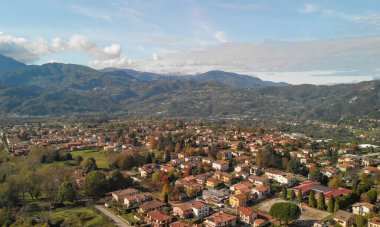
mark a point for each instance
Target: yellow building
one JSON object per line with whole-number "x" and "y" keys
{"x": 238, "y": 200}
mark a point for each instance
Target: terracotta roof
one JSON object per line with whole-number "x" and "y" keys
{"x": 197, "y": 204}
{"x": 220, "y": 217}
{"x": 151, "y": 205}
{"x": 244, "y": 210}
{"x": 179, "y": 224}
{"x": 259, "y": 221}
{"x": 306, "y": 186}
{"x": 375, "y": 220}
{"x": 262, "y": 188}
{"x": 158, "y": 216}
{"x": 364, "y": 204}
{"x": 183, "y": 206}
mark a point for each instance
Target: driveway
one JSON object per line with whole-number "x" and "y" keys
{"x": 118, "y": 221}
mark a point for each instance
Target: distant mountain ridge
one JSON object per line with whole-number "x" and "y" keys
{"x": 8, "y": 64}
{"x": 61, "y": 89}
{"x": 222, "y": 77}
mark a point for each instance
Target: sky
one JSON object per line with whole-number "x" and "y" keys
{"x": 317, "y": 42}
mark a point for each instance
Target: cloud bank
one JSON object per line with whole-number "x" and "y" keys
{"x": 29, "y": 51}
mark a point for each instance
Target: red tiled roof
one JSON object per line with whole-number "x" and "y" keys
{"x": 305, "y": 186}
{"x": 244, "y": 210}
{"x": 197, "y": 204}
{"x": 220, "y": 217}
{"x": 158, "y": 216}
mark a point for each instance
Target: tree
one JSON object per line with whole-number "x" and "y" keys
{"x": 321, "y": 201}
{"x": 336, "y": 181}
{"x": 8, "y": 194}
{"x": 370, "y": 196}
{"x": 95, "y": 184}
{"x": 285, "y": 211}
{"x": 312, "y": 202}
{"x": 315, "y": 175}
{"x": 360, "y": 221}
{"x": 67, "y": 192}
{"x": 336, "y": 205}
{"x": 148, "y": 159}
{"x": 188, "y": 172}
{"x": 165, "y": 189}
{"x": 166, "y": 197}
{"x": 299, "y": 196}
{"x": 78, "y": 160}
{"x": 178, "y": 147}
{"x": 330, "y": 205}
{"x": 240, "y": 146}
{"x": 89, "y": 165}
{"x": 292, "y": 195}
{"x": 284, "y": 192}
{"x": 117, "y": 181}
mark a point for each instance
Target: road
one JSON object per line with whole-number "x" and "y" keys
{"x": 118, "y": 221}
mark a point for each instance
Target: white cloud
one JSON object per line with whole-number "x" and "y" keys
{"x": 220, "y": 36}
{"x": 29, "y": 51}
{"x": 356, "y": 55}
{"x": 309, "y": 8}
{"x": 370, "y": 18}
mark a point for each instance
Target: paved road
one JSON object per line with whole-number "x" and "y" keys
{"x": 118, "y": 221}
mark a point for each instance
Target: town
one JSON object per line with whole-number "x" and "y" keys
{"x": 178, "y": 173}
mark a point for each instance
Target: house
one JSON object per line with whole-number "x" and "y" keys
{"x": 260, "y": 191}
{"x": 280, "y": 177}
{"x": 157, "y": 219}
{"x": 256, "y": 180}
{"x": 238, "y": 200}
{"x": 220, "y": 219}
{"x": 179, "y": 224}
{"x": 120, "y": 194}
{"x": 240, "y": 186}
{"x": 362, "y": 208}
{"x": 212, "y": 183}
{"x": 200, "y": 209}
{"x": 202, "y": 178}
{"x": 149, "y": 206}
{"x": 220, "y": 165}
{"x": 136, "y": 200}
{"x": 374, "y": 222}
{"x": 343, "y": 218}
{"x": 215, "y": 197}
{"x": 148, "y": 169}
{"x": 225, "y": 177}
{"x": 246, "y": 215}
{"x": 371, "y": 170}
{"x": 182, "y": 210}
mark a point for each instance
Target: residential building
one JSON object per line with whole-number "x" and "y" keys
{"x": 374, "y": 222}
{"x": 200, "y": 209}
{"x": 238, "y": 200}
{"x": 362, "y": 208}
{"x": 220, "y": 219}
{"x": 344, "y": 218}
{"x": 157, "y": 219}
{"x": 149, "y": 206}
{"x": 246, "y": 215}
{"x": 182, "y": 210}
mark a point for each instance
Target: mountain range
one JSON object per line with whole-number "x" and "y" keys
{"x": 61, "y": 89}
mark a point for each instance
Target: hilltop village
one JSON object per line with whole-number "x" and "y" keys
{"x": 176, "y": 173}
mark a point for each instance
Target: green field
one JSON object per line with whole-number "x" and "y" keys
{"x": 101, "y": 159}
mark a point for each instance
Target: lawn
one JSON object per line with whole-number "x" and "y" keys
{"x": 101, "y": 159}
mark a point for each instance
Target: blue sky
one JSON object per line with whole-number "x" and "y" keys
{"x": 171, "y": 36}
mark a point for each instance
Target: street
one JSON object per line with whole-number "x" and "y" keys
{"x": 118, "y": 221}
